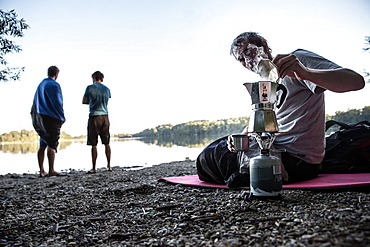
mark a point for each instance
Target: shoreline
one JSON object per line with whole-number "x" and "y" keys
{"x": 131, "y": 208}
{"x": 71, "y": 171}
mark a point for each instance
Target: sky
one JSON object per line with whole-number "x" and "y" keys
{"x": 168, "y": 61}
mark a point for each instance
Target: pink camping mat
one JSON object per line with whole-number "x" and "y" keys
{"x": 323, "y": 181}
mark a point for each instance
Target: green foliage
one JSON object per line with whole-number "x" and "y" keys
{"x": 29, "y": 136}
{"x": 191, "y": 131}
{"x": 65, "y": 136}
{"x": 367, "y": 43}
{"x": 352, "y": 116}
{"x": 23, "y": 136}
{"x": 367, "y": 48}
{"x": 10, "y": 26}
{"x": 197, "y": 128}
{"x": 202, "y": 128}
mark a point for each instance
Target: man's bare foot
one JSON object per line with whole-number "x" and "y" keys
{"x": 92, "y": 171}
{"x": 51, "y": 174}
{"x": 43, "y": 174}
{"x": 109, "y": 168}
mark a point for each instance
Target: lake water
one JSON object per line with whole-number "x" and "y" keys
{"x": 22, "y": 158}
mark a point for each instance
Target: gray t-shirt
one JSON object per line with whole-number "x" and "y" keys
{"x": 301, "y": 117}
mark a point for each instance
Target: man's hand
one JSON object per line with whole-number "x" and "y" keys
{"x": 85, "y": 100}
{"x": 337, "y": 80}
{"x": 289, "y": 65}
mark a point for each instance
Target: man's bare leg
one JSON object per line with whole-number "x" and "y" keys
{"x": 108, "y": 154}
{"x": 40, "y": 159}
{"x": 51, "y": 158}
{"x": 94, "y": 156}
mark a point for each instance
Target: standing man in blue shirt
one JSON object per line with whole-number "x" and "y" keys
{"x": 47, "y": 119}
{"x": 97, "y": 96}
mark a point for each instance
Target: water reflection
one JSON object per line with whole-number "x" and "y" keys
{"x": 24, "y": 148}
{"x": 194, "y": 141}
{"x": 125, "y": 153}
{"x": 186, "y": 141}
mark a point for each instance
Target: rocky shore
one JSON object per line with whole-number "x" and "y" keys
{"x": 130, "y": 208}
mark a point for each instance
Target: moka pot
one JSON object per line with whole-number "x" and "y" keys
{"x": 263, "y": 95}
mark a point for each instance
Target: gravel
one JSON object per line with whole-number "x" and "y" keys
{"x": 131, "y": 208}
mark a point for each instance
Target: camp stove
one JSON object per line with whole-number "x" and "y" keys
{"x": 265, "y": 169}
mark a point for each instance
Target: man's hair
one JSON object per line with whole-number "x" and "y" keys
{"x": 98, "y": 76}
{"x": 53, "y": 71}
{"x": 241, "y": 43}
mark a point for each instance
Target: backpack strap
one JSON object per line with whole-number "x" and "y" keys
{"x": 330, "y": 123}
{"x": 363, "y": 123}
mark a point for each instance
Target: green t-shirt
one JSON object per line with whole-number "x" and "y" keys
{"x": 98, "y": 95}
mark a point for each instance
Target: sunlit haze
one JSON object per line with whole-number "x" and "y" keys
{"x": 168, "y": 61}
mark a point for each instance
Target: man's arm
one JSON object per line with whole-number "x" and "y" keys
{"x": 337, "y": 80}
{"x": 85, "y": 100}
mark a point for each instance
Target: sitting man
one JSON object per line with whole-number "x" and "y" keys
{"x": 301, "y": 115}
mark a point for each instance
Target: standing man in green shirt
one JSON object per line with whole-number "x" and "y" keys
{"x": 97, "y": 96}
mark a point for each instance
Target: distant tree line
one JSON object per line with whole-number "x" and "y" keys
{"x": 16, "y": 136}
{"x": 351, "y": 116}
{"x": 200, "y": 128}
{"x": 197, "y": 128}
{"x": 234, "y": 125}
{"x": 29, "y": 136}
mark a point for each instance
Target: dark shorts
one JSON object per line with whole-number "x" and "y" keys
{"x": 218, "y": 165}
{"x": 98, "y": 126}
{"x": 49, "y": 131}
{"x": 48, "y": 128}
{"x": 298, "y": 170}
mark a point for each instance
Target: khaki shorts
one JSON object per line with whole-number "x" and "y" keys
{"x": 98, "y": 126}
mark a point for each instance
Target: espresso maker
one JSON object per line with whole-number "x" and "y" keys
{"x": 265, "y": 169}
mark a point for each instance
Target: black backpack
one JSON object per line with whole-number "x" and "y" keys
{"x": 348, "y": 149}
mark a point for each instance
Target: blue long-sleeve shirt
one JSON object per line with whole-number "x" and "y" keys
{"x": 48, "y": 99}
